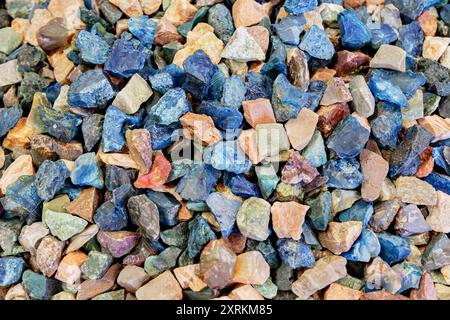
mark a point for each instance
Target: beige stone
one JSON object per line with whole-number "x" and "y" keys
{"x": 439, "y": 214}
{"x": 180, "y": 11}
{"x": 434, "y": 47}
{"x": 251, "y": 268}
{"x": 245, "y": 292}
{"x": 200, "y": 128}
{"x": 416, "y": 191}
{"x": 188, "y": 277}
{"x": 374, "y": 169}
{"x": 135, "y": 93}
{"x": 131, "y": 8}
{"x": 301, "y": 129}
{"x": 150, "y": 6}
{"x": 389, "y": 57}
{"x": 40, "y": 18}
{"x": 247, "y": 13}
{"x": 288, "y": 218}
{"x": 340, "y": 236}
{"x": 69, "y": 270}
{"x": 9, "y": 74}
{"x": 336, "y": 92}
{"x": 69, "y": 10}
{"x": 438, "y": 126}
{"x": 123, "y": 160}
{"x": 258, "y": 111}
{"x": 22, "y": 166}
{"x": 132, "y": 278}
{"x": 62, "y": 66}
{"x": 163, "y": 287}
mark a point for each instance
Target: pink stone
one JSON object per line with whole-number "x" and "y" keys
{"x": 248, "y": 143}
{"x": 301, "y": 129}
{"x": 188, "y": 277}
{"x": 91, "y": 288}
{"x": 158, "y": 174}
{"x": 245, "y": 292}
{"x": 336, "y": 92}
{"x": 288, "y": 218}
{"x": 132, "y": 278}
{"x": 426, "y": 290}
{"x": 48, "y": 255}
{"x": 201, "y": 128}
{"x": 374, "y": 169}
{"x": 251, "y": 268}
{"x": 140, "y": 147}
{"x": 298, "y": 170}
{"x": 339, "y": 292}
{"x": 247, "y": 13}
{"x": 163, "y": 287}
{"x": 258, "y": 111}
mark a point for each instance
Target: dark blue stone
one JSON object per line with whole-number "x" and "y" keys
{"x": 382, "y": 34}
{"x": 167, "y": 205}
{"x": 243, "y": 188}
{"x": 91, "y": 89}
{"x": 60, "y": 124}
{"x": 276, "y": 64}
{"x": 169, "y": 77}
{"x": 198, "y": 183}
{"x": 224, "y": 210}
{"x": 343, "y": 173}
{"x": 258, "y": 86}
{"x": 22, "y": 197}
{"x": 438, "y": 76}
{"x": 8, "y": 119}
{"x": 309, "y": 237}
{"x": 348, "y": 138}
{"x": 126, "y": 59}
{"x": 11, "y": 269}
{"x": 297, "y": 7}
{"x": 365, "y": 247}
{"x": 295, "y": 254}
{"x": 409, "y": 82}
{"x": 317, "y": 44}
{"x": 199, "y": 72}
{"x": 289, "y": 29}
{"x": 440, "y": 160}
{"x": 233, "y": 92}
{"x": 93, "y": 48}
{"x": 200, "y": 233}
{"x": 387, "y": 125}
{"x": 172, "y": 105}
{"x": 50, "y": 178}
{"x": 385, "y": 90}
{"x": 393, "y": 248}
{"x": 224, "y": 118}
{"x": 116, "y": 176}
{"x": 143, "y": 28}
{"x": 360, "y": 211}
{"x": 354, "y": 33}
{"x": 87, "y": 171}
{"x": 315, "y": 91}
{"x": 52, "y": 91}
{"x": 445, "y": 14}
{"x": 287, "y": 99}
{"x": 439, "y": 181}
{"x": 215, "y": 89}
{"x": 411, "y": 38}
{"x": 162, "y": 136}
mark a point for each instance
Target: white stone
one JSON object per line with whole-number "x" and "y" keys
{"x": 434, "y": 47}
{"x": 389, "y": 57}
{"x": 363, "y": 100}
{"x": 135, "y": 93}
{"x": 243, "y": 47}
{"x": 9, "y": 74}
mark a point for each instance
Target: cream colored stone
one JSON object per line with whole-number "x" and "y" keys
{"x": 434, "y": 47}
{"x": 389, "y": 57}
{"x": 301, "y": 129}
{"x": 9, "y": 74}
{"x": 163, "y": 287}
{"x": 251, "y": 268}
{"x": 439, "y": 214}
{"x": 22, "y": 166}
{"x": 135, "y": 93}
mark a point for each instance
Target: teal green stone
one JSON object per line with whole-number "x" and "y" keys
{"x": 315, "y": 151}
{"x": 267, "y": 179}
{"x": 166, "y": 260}
{"x": 9, "y": 40}
{"x": 96, "y": 265}
{"x": 64, "y": 225}
{"x": 268, "y": 289}
{"x": 177, "y": 236}
{"x": 38, "y": 286}
{"x": 351, "y": 282}
{"x": 20, "y": 8}
{"x": 319, "y": 213}
{"x": 112, "y": 295}
{"x": 31, "y": 83}
{"x": 185, "y": 259}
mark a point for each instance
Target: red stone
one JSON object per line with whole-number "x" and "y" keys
{"x": 158, "y": 174}
{"x": 329, "y": 117}
{"x": 426, "y": 163}
{"x": 350, "y": 62}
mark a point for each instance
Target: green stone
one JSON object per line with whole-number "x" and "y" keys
{"x": 177, "y": 236}
{"x": 96, "y": 265}
{"x": 31, "y": 83}
{"x": 268, "y": 289}
{"x": 253, "y": 218}
{"x": 315, "y": 151}
{"x": 185, "y": 259}
{"x": 287, "y": 192}
{"x": 351, "y": 282}
{"x": 63, "y": 295}
{"x": 284, "y": 277}
{"x": 166, "y": 260}
{"x": 169, "y": 51}
{"x": 112, "y": 295}
{"x": 430, "y": 103}
{"x": 197, "y": 206}
{"x": 64, "y": 225}
{"x": 19, "y": 8}
{"x": 204, "y": 294}
{"x": 9, "y": 40}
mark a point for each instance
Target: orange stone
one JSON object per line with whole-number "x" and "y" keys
{"x": 69, "y": 270}
{"x": 184, "y": 214}
{"x": 426, "y": 290}
{"x": 22, "y": 166}
{"x": 339, "y": 292}
{"x": 248, "y": 144}
{"x": 247, "y": 13}
{"x": 426, "y": 163}
{"x": 131, "y": 8}
{"x": 140, "y": 147}
{"x": 251, "y": 268}
{"x": 21, "y": 26}
{"x": 438, "y": 126}
{"x": 353, "y": 3}
{"x": 200, "y": 127}
{"x": 121, "y": 26}
{"x": 428, "y": 23}
{"x": 85, "y": 204}
{"x": 158, "y": 174}
{"x": 188, "y": 277}
{"x": 180, "y": 11}
{"x": 62, "y": 66}
{"x": 324, "y": 75}
{"x": 245, "y": 292}
{"x": 166, "y": 32}
{"x": 382, "y": 295}
{"x": 374, "y": 169}
{"x": 163, "y": 287}
{"x": 91, "y": 288}
{"x": 258, "y": 111}
{"x": 301, "y": 129}
{"x": 288, "y": 218}
{"x": 18, "y": 137}
{"x": 340, "y": 236}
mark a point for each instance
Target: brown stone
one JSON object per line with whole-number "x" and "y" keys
{"x": 298, "y": 170}
{"x": 324, "y": 75}
{"x": 53, "y": 35}
{"x": 163, "y": 287}
{"x": 166, "y": 32}
{"x": 336, "y": 92}
{"x": 251, "y": 268}
{"x": 69, "y": 270}
{"x": 245, "y": 292}
{"x": 140, "y": 147}
{"x": 340, "y": 236}
{"x": 329, "y": 117}
{"x": 131, "y": 8}
{"x": 350, "y": 62}
{"x": 353, "y": 3}
{"x": 85, "y": 204}
{"x": 288, "y": 218}
{"x": 301, "y": 129}
{"x": 22, "y": 166}
{"x": 132, "y": 278}
{"x": 18, "y": 137}
{"x": 438, "y": 126}
{"x": 91, "y": 288}
{"x": 40, "y": 18}
{"x": 48, "y": 255}
{"x": 426, "y": 290}
{"x": 258, "y": 111}
{"x": 382, "y": 295}
{"x": 298, "y": 71}
{"x": 44, "y": 144}
{"x": 200, "y": 128}
{"x": 248, "y": 144}
{"x": 150, "y": 6}
{"x": 188, "y": 277}
{"x": 416, "y": 191}
{"x": 428, "y": 23}
{"x": 374, "y": 169}
{"x": 121, "y": 27}
{"x": 339, "y": 292}
{"x": 247, "y": 13}
{"x": 179, "y": 12}
{"x": 426, "y": 163}
{"x": 439, "y": 214}
{"x": 236, "y": 242}
{"x": 326, "y": 271}
{"x": 10, "y": 98}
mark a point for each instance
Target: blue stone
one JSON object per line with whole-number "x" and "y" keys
{"x": 365, "y": 247}
{"x": 289, "y": 29}
{"x": 276, "y": 64}
{"x": 162, "y": 136}
{"x": 50, "y": 178}
{"x": 317, "y": 44}
{"x": 267, "y": 179}
{"x": 167, "y": 205}
{"x": 169, "y": 77}
{"x": 225, "y": 211}
{"x": 198, "y": 183}
{"x": 38, "y": 286}
{"x": 87, "y": 171}
{"x": 227, "y": 155}
{"x": 440, "y": 160}
{"x": 295, "y": 254}
{"x": 126, "y": 59}
{"x": 320, "y": 210}
{"x": 143, "y": 28}
{"x": 215, "y": 90}
{"x": 445, "y": 14}
{"x": 411, "y": 275}
{"x": 200, "y": 233}
{"x": 360, "y": 211}
{"x": 243, "y": 188}
{"x": 439, "y": 181}
{"x": 409, "y": 82}
{"x": 224, "y": 118}
{"x": 22, "y": 197}
{"x": 411, "y": 38}
{"x": 11, "y": 269}
{"x": 409, "y": 8}
{"x": 348, "y": 138}
{"x": 8, "y": 119}
{"x": 199, "y": 71}
{"x": 70, "y": 190}
{"x": 258, "y": 86}
{"x": 60, "y": 124}
{"x": 233, "y": 92}
{"x": 343, "y": 173}
{"x": 93, "y": 48}
{"x": 382, "y": 34}
{"x": 309, "y": 237}
{"x": 52, "y": 92}
{"x": 393, "y": 248}
{"x": 316, "y": 89}
{"x": 113, "y": 138}
{"x": 219, "y": 17}
{"x": 91, "y": 89}
{"x": 287, "y": 99}
{"x": 267, "y": 250}
{"x": 172, "y": 105}
{"x": 297, "y": 7}
{"x": 385, "y": 90}
{"x": 405, "y": 159}
{"x": 354, "y": 33}
{"x": 438, "y": 76}
{"x": 387, "y": 125}
{"x": 116, "y": 176}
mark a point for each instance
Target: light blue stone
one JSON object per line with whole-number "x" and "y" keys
{"x": 227, "y": 155}
{"x": 385, "y": 90}
{"x": 289, "y": 29}
{"x": 143, "y": 28}
{"x": 225, "y": 211}
{"x": 365, "y": 247}
{"x": 172, "y": 105}
{"x": 360, "y": 211}
{"x": 233, "y": 92}
{"x": 87, "y": 171}
{"x": 411, "y": 275}
{"x": 287, "y": 99}
{"x": 93, "y": 48}
{"x": 11, "y": 269}
{"x": 343, "y": 173}
{"x": 297, "y": 7}
{"x": 354, "y": 33}
{"x": 317, "y": 44}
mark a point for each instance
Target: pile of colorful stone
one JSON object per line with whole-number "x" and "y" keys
{"x": 224, "y": 149}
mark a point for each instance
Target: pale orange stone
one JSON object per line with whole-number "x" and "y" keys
{"x": 336, "y": 92}
{"x": 288, "y": 219}
{"x": 353, "y": 3}
{"x": 201, "y": 128}
{"x": 91, "y": 288}
{"x": 261, "y": 36}
{"x": 301, "y": 129}
{"x": 188, "y": 277}
{"x": 428, "y": 23}
{"x": 247, "y": 13}
{"x": 131, "y": 8}
{"x": 22, "y": 166}
{"x": 258, "y": 111}
{"x": 426, "y": 163}
{"x": 340, "y": 236}
{"x": 166, "y": 32}
{"x": 255, "y": 66}
{"x": 438, "y": 126}
{"x": 374, "y": 169}
{"x": 150, "y": 6}
{"x": 18, "y": 137}
{"x": 121, "y": 26}
{"x": 10, "y": 97}
{"x": 324, "y": 75}
{"x": 140, "y": 147}
{"x": 163, "y": 287}
{"x": 123, "y": 160}
{"x": 69, "y": 10}
{"x": 313, "y": 18}
{"x": 245, "y": 292}
{"x": 247, "y": 142}
{"x": 21, "y": 26}
{"x": 69, "y": 269}
{"x": 184, "y": 214}
{"x": 62, "y": 66}
{"x": 85, "y": 204}
{"x": 251, "y": 268}
{"x": 40, "y": 18}
{"x": 439, "y": 214}
{"x": 180, "y": 11}
{"x": 339, "y": 292}
{"x": 2, "y": 157}
{"x": 382, "y": 295}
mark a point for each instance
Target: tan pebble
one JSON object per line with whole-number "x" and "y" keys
{"x": 258, "y": 111}
{"x": 339, "y": 292}
{"x": 416, "y": 191}
{"x": 434, "y": 47}
{"x": 340, "y": 236}
{"x": 180, "y": 11}
{"x": 439, "y": 214}
{"x": 188, "y": 277}
{"x": 200, "y": 128}
{"x": 85, "y": 204}
{"x": 251, "y": 268}
{"x": 150, "y": 6}
{"x": 301, "y": 129}
{"x": 247, "y": 13}
{"x": 245, "y": 292}
{"x": 163, "y": 287}
{"x": 140, "y": 147}
{"x": 131, "y": 8}
{"x": 374, "y": 169}
{"x": 132, "y": 278}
